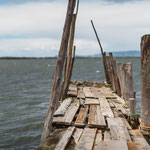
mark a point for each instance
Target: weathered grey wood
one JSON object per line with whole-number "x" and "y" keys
{"x": 145, "y": 80}
{"x": 139, "y": 140}
{"x": 81, "y": 94}
{"x": 69, "y": 115}
{"x": 118, "y": 121}
{"x": 126, "y": 79}
{"x": 65, "y": 139}
{"x": 119, "y": 133}
{"x": 72, "y": 87}
{"x": 97, "y": 139}
{"x": 132, "y": 105}
{"x": 87, "y": 92}
{"x": 62, "y": 108}
{"x": 87, "y": 139}
{"x": 80, "y": 121}
{"x": 57, "y": 76}
{"x": 95, "y": 118}
{"x": 107, "y": 136}
{"x": 90, "y": 101}
{"x": 77, "y": 134}
{"x": 69, "y": 60}
{"x": 119, "y": 99}
{"x": 112, "y": 145}
{"x": 72, "y": 93}
{"x": 105, "y": 108}
{"x": 116, "y": 79}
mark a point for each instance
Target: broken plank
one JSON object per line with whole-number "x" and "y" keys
{"x": 119, "y": 133}
{"x": 105, "y": 108}
{"x": 139, "y": 140}
{"x": 72, "y": 93}
{"x": 87, "y": 92}
{"x": 112, "y": 145}
{"x": 65, "y": 139}
{"x": 90, "y": 101}
{"x": 69, "y": 115}
{"x": 97, "y": 139}
{"x": 80, "y": 121}
{"x": 118, "y": 121}
{"x": 77, "y": 134}
{"x": 95, "y": 118}
{"x": 62, "y": 108}
{"x": 87, "y": 139}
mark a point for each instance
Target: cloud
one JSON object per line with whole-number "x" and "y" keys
{"x": 35, "y": 29}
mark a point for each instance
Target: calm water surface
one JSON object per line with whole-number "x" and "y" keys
{"x": 24, "y": 95}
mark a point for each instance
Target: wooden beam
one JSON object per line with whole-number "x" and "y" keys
{"x": 57, "y": 76}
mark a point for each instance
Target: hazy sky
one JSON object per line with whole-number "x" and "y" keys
{"x": 34, "y": 27}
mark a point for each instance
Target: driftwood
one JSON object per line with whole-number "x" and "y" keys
{"x": 57, "y": 76}
{"x": 145, "y": 80}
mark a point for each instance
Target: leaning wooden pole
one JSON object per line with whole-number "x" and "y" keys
{"x": 145, "y": 82}
{"x": 102, "y": 53}
{"x": 57, "y": 76}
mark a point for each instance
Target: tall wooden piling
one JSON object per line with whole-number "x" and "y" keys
{"x": 145, "y": 82}
{"x": 57, "y": 76}
{"x": 116, "y": 79}
{"x": 126, "y": 80}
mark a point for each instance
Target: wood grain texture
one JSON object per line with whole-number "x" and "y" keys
{"x": 87, "y": 139}
{"x": 91, "y": 101}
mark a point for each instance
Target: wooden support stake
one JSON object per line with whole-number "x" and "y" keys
{"x": 132, "y": 105}
{"x": 126, "y": 79}
{"x": 116, "y": 79}
{"x": 145, "y": 80}
{"x": 57, "y": 76}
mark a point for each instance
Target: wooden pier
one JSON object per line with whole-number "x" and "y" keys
{"x": 93, "y": 118}
{"x": 96, "y": 116}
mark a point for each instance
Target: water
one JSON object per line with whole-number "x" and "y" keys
{"x": 24, "y": 95}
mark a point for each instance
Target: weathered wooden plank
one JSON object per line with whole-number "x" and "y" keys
{"x": 95, "y": 118}
{"x": 72, "y": 93}
{"x": 119, "y": 133}
{"x": 119, "y": 99}
{"x": 69, "y": 115}
{"x": 87, "y": 139}
{"x": 81, "y": 94}
{"x": 90, "y": 101}
{"x": 72, "y": 87}
{"x": 65, "y": 139}
{"x": 87, "y": 92}
{"x": 118, "y": 121}
{"x": 77, "y": 134}
{"x": 112, "y": 145}
{"x": 105, "y": 108}
{"x": 80, "y": 121}
{"x": 139, "y": 140}
{"x": 97, "y": 139}
{"x": 107, "y": 136}
{"x": 132, "y": 146}
{"x": 62, "y": 108}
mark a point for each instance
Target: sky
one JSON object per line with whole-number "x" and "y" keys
{"x": 33, "y": 28}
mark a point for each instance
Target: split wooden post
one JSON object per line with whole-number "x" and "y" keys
{"x": 116, "y": 79}
{"x": 57, "y": 76}
{"x": 132, "y": 102}
{"x": 126, "y": 79}
{"x": 145, "y": 82}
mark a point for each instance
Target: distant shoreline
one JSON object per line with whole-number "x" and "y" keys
{"x": 82, "y": 57}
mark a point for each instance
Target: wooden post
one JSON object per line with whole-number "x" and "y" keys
{"x": 57, "y": 76}
{"x": 145, "y": 81}
{"x": 102, "y": 53}
{"x": 126, "y": 79}
{"x": 116, "y": 79}
{"x": 132, "y": 105}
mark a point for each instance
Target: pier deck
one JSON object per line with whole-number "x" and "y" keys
{"x": 91, "y": 118}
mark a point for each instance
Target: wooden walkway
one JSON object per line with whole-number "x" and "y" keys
{"x": 93, "y": 118}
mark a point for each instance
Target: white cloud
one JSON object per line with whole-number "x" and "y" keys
{"x": 119, "y": 25}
